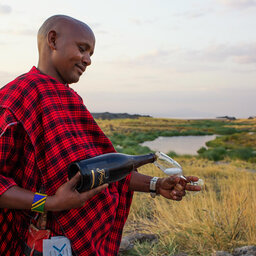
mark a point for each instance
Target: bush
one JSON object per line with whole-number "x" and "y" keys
{"x": 226, "y": 130}
{"x": 242, "y": 153}
{"x": 172, "y": 154}
{"x": 215, "y": 154}
{"x": 136, "y": 150}
{"x": 218, "y": 142}
{"x": 219, "y": 153}
{"x": 201, "y": 150}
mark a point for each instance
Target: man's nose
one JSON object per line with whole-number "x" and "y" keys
{"x": 86, "y": 59}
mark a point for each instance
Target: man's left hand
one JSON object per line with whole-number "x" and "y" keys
{"x": 174, "y": 187}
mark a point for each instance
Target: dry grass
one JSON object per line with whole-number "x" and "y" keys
{"x": 221, "y": 217}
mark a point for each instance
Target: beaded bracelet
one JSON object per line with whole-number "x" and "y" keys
{"x": 38, "y": 202}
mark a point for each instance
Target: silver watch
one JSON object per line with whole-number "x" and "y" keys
{"x": 152, "y": 186}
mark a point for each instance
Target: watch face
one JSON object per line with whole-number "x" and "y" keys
{"x": 153, "y": 183}
{"x": 152, "y": 187}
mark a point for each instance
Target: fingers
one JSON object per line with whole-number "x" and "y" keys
{"x": 91, "y": 193}
{"x": 174, "y": 187}
{"x": 171, "y": 181}
{"x": 192, "y": 178}
{"x": 74, "y": 180}
{"x": 173, "y": 194}
{"x": 190, "y": 187}
{"x": 179, "y": 187}
{"x": 177, "y": 195}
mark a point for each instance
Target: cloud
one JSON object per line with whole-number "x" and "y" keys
{"x": 178, "y": 60}
{"x": 5, "y": 9}
{"x": 244, "y": 53}
{"x": 140, "y": 22}
{"x": 153, "y": 55}
{"x": 238, "y": 3}
{"x": 194, "y": 14}
{"x": 160, "y": 62}
{"x": 97, "y": 27}
{"x": 158, "y": 57}
{"x": 136, "y": 21}
{"x": 24, "y": 32}
{"x": 236, "y": 58}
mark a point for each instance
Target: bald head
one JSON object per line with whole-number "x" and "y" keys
{"x": 65, "y": 47}
{"x": 58, "y": 23}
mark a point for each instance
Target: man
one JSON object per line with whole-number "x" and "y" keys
{"x": 44, "y": 126}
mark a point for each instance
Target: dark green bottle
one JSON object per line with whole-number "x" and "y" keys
{"x": 106, "y": 168}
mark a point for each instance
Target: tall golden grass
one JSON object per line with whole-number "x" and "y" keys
{"x": 220, "y": 217}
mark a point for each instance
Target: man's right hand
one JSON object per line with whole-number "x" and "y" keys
{"x": 67, "y": 197}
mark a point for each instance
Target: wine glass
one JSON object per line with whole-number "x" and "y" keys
{"x": 171, "y": 167}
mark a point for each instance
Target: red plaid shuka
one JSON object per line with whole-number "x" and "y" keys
{"x": 44, "y": 127}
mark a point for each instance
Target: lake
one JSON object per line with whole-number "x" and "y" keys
{"x": 179, "y": 144}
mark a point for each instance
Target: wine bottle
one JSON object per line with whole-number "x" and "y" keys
{"x": 106, "y": 168}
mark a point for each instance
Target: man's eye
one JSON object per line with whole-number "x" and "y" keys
{"x": 81, "y": 49}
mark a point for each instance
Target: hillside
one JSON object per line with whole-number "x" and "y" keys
{"x": 110, "y": 116}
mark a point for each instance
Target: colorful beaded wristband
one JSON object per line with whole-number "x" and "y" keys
{"x": 38, "y": 202}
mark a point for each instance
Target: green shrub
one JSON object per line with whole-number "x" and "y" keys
{"x": 172, "y": 154}
{"x": 201, "y": 150}
{"x": 214, "y": 154}
{"x": 242, "y": 153}
{"x": 136, "y": 150}
{"x": 226, "y": 130}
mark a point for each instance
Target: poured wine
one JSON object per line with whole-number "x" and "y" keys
{"x": 106, "y": 168}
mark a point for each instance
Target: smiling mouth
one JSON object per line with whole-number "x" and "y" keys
{"x": 81, "y": 69}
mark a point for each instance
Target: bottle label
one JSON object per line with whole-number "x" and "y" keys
{"x": 98, "y": 177}
{"x": 101, "y": 176}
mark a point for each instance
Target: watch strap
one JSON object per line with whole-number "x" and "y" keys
{"x": 152, "y": 186}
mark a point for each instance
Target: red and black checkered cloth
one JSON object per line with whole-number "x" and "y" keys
{"x": 44, "y": 127}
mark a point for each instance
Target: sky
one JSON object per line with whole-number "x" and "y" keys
{"x": 164, "y": 58}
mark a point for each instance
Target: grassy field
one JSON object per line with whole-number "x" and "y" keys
{"x": 222, "y": 216}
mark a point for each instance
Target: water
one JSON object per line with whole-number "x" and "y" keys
{"x": 179, "y": 144}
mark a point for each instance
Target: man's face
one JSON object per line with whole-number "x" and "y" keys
{"x": 74, "y": 48}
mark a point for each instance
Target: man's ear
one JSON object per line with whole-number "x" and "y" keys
{"x": 51, "y": 39}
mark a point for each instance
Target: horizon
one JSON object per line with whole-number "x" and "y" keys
{"x": 170, "y": 59}
{"x": 177, "y": 117}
